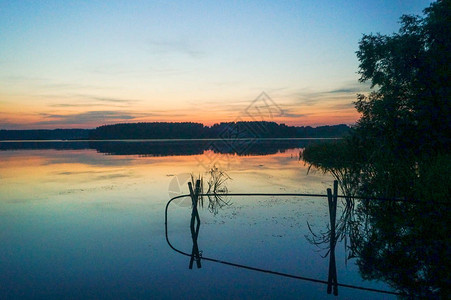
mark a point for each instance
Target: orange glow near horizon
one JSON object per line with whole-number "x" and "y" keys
{"x": 32, "y": 121}
{"x": 13, "y": 115}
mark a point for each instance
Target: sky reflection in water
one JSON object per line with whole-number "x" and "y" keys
{"x": 82, "y": 224}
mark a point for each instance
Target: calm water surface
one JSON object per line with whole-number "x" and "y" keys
{"x": 85, "y": 222}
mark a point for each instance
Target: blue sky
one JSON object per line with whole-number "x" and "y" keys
{"x": 88, "y": 63}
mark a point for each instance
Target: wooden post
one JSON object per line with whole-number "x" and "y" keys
{"x": 332, "y": 278}
{"x": 195, "y": 224}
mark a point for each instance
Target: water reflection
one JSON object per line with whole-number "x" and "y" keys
{"x": 80, "y": 224}
{"x": 217, "y": 189}
{"x": 195, "y": 224}
{"x": 167, "y": 147}
{"x": 402, "y": 241}
{"x": 332, "y": 238}
{"x": 403, "y": 244}
{"x": 345, "y": 229}
{"x": 406, "y": 245}
{"x": 332, "y": 203}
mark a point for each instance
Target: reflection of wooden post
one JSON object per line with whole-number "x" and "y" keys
{"x": 332, "y": 201}
{"x": 195, "y": 221}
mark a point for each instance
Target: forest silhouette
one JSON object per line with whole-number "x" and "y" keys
{"x": 180, "y": 130}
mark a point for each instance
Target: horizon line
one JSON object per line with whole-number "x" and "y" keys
{"x": 186, "y": 122}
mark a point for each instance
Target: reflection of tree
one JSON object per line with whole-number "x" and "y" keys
{"x": 337, "y": 160}
{"x": 186, "y": 147}
{"x": 346, "y": 228}
{"x": 407, "y": 246}
{"x": 403, "y": 243}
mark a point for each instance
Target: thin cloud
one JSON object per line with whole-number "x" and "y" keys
{"x": 107, "y": 99}
{"x": 85, "y": 118}
{"x": 306, "y": 97}
{"x": 174, "y": 47}
{"x": 72, "y": 105}
{"x": 84, "y": 100}
{"x": 142, "y": 71}
{"x": 343, "y": 105}
{"x": 344, "y": 91}
{"x": 291, "y": 114}
{"x": 101, "y": 117}
{"x": 94, "y": 118}
{"x": 49, "y": 85}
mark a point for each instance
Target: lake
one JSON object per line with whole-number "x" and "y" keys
{"x": 87, "y": 220}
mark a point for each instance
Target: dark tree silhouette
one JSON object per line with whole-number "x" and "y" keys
{"x": 409, "y": 109}
{"x": 405, "y": 126}
{"x": 400, "y": 148}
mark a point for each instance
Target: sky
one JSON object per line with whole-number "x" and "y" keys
{"x": 82, "y": 64}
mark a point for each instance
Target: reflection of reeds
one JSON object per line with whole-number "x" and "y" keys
{"x": 218, "y": 188}
{"x": 216, "y": 192}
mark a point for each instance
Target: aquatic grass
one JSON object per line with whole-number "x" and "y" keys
{"x": 215, "y": 190}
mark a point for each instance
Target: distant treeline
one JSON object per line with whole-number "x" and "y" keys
{"x": 187, "y": 130}
{"x": 45, "y": 134}
{"x": 231, "y": 130}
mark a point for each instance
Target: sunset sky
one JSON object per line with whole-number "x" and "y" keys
{"x": 81, "y": 64}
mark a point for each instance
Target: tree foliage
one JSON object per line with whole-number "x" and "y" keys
{"x": 408, "y": 110}
{"x": 400, "y": 149}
